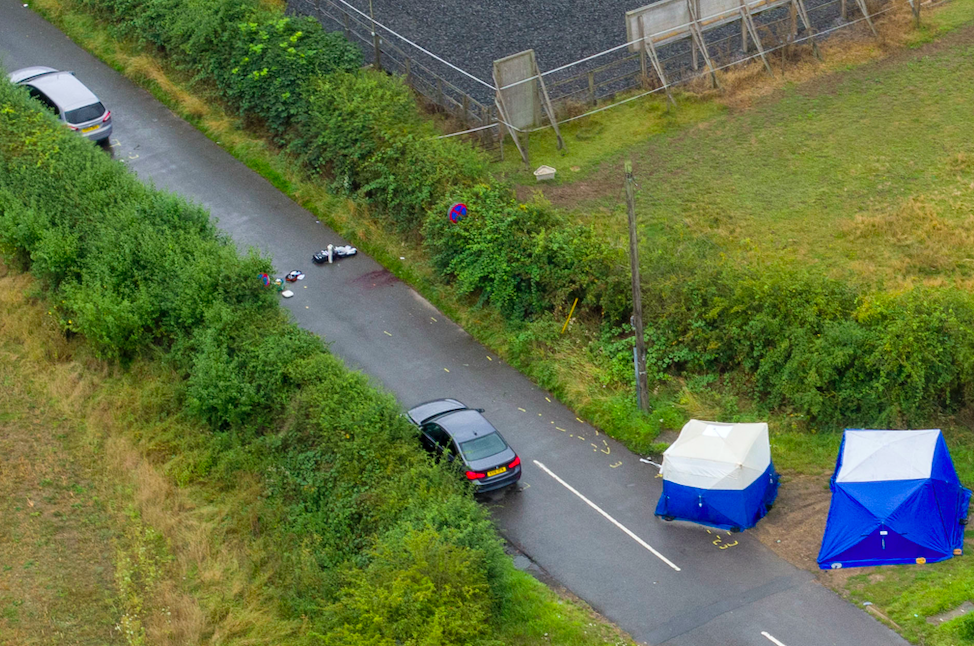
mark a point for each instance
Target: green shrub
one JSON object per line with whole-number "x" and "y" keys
{"x": 345, "y": 482}
{"x": 813, "y": 345}
{"x": 273, "y": 59}
{"x": 419, "y": 590}
{"x": 261, "y": 59}
{"x": 523, "y": 258}
{"x": 366, "y": 134}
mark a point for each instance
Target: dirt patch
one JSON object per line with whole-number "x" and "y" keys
{"x": 608, "y": 179}
{"x": 793, "y": 529}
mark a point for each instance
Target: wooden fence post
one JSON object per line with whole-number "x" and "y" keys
{"x": 591, "y": 87}
{"x": 345, "y": 23}
{"x": 378, "y": 52}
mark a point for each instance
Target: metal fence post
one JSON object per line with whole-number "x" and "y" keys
{"x": 378, "y": 52}
{"x": 409, "y": 72}
{"x": 591, "y": 87}
{"x": 345, "y": 23}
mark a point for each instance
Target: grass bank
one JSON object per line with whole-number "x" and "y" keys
{"x": 318, "y": 516}
{"x": 766, "y": 182}
{"x": 106, "y": 540}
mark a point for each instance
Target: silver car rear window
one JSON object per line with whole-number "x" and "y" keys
{"x": 87, "y": 113}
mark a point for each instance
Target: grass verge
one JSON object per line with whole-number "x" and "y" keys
{"x": 760, "y": 210}
{"x": 110, "y": 538}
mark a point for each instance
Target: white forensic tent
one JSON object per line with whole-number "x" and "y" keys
{"x": 719, "y": 475}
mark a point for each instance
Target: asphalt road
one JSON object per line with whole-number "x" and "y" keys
{"x": 585, "y": 509}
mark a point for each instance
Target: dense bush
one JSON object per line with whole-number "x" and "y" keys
{"x": 262, "y": 60}
{"x": 524, "y": 257}
{"x": 366, "y": 134}
{"x": 418, "y": 590}
{"x": 817, "y": 346}
{"x": 362, "y": 131}
{"x": 353, "y": 502}
{"x": 799, "y": 340}
{"x": 272, "y": 61}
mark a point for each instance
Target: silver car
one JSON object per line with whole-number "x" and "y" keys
{"x": 69, "y": 99}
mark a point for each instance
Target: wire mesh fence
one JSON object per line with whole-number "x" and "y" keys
{"x": 618, "y": 70}
{"x": 432, "y": 78}
{"x": 594, "y": 83}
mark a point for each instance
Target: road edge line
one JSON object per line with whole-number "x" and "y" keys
{"x": 608, "y": 517}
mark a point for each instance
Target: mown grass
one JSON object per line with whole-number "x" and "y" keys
{"x": 75, "y": 560}
{"x": 589, "y": 140}
{"x": 868, "y": 175}
{"x": 908, "y": 595}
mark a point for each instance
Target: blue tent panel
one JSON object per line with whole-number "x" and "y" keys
{"x": 720, "y": 508}
{"x": 880, "y": 522}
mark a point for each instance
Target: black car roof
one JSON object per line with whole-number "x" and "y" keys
{"x": 465, "y": 424}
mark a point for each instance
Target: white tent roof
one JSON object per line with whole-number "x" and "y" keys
{"x": 870, "y": 456}
{"x": 711, "y": 455}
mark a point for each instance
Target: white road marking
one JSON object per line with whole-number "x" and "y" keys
{"x": 771, "y": 639}
{"x": 609, "y": 518}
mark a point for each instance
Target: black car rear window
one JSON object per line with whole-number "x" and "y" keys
{"x": 87, "y": 113}
{"x": 482, "y": 447}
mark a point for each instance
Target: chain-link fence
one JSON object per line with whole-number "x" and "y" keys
{"x": 433, "y": 78}
{"x": 593, "y": 83}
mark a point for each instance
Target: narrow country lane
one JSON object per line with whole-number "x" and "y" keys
{"x": 585, "y": 510}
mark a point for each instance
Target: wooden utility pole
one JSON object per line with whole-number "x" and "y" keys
{"x": 642, "y": 387}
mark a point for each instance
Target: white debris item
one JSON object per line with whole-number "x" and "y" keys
{"x": 545, "y": 173}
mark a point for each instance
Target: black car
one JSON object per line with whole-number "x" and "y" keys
{"x": 448, "y": 428}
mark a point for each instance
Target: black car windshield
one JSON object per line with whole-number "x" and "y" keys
{"x": 87, "y": 113}
{"x": 482, "y": 447}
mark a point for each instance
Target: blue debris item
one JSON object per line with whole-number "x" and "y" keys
{"x": 896, "y": 499}
{"x": 720, "y": 475}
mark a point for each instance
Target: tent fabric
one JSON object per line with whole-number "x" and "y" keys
{"x": 719, "y": 475}
{"x": 887, "y": 455}
{"x": 896, "y": 499}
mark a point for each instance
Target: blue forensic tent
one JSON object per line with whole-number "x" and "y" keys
{"x": 719, "y": 475}
{"x": 895, "y": 499}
